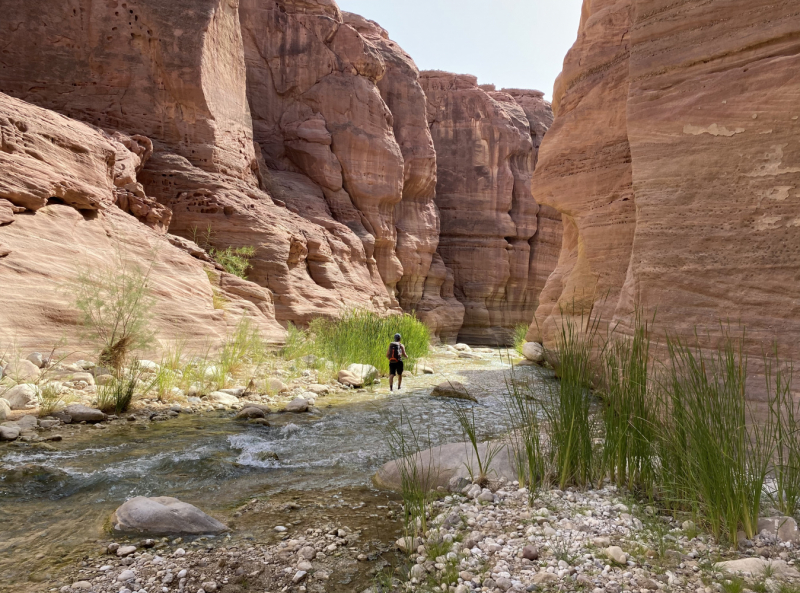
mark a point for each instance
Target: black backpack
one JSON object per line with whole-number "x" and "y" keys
{"x": 394, "y": 352}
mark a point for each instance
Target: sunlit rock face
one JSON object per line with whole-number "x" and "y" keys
{"x": 674, "y": 161}
{"x": 486, "y": 155}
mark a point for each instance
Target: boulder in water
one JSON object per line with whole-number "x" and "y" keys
{"x": 452, "y": 389}
{"x": 349, "y": 379}
{"x": 251, "y": 412}
{"x": 163, "y": 515}
{"x": 9, "y": 433}
{"x": 297, "y": 405}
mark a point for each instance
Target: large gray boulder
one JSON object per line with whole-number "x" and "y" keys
{"x": 298, "y": 405}
{"x": 226, "y": 399}
{"x": 453, "y": 390}
{"x": 5, "y": 409}
{"x": 533, "y": 351}
{"x": 9, "y": 432}
{"x": 365, "y": 372}
{"x": 783, "y": 528}
{"x": 21, "y": 397}
{"x": 81, "y": 413}
{"x": 438, "y": 466}
{"x": 163, "y": 515}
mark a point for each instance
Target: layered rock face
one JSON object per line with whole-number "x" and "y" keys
{"x": 288, "y": 126}
{"x": 47, "y": 242}
{"x": 675, "y": 162}
{"x": 484, "y": 143}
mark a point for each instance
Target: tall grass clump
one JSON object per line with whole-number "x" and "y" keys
{"x": 298, "y": 344}
{"x": 417, "y": 476}
{"x": 234, "y": 260}
{"x": 363, "y": 337}
{"x": 714, "y": 453}
{"x": 50, "y": 398}
{"x": 483, "y": 456}
{"x": 525, "y": 436}
{"x": 572, "y": 426}
{"x": 786, "y": 462}
{"x": 115, "y": 304}
{"x": 520, "y": 331}
{"x": 629, "y": 410}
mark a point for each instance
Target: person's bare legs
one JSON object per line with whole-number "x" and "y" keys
{"x": 391, "y": 383}
{"x": 399, "y": 380}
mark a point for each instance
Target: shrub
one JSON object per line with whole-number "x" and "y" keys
{"x": 50, "y": 398}
{"x": 236, "y": 260}
{"x": 115, "y": 397}
{"x": 115, "y": 304}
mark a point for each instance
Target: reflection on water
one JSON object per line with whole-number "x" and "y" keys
{"x": 55, "y": 503}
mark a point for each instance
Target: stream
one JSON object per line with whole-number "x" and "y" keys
{"x": 55, "y": 505}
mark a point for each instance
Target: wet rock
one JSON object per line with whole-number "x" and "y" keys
{"x": 81, "y": 413}
{"x": 452, "y": 389}
{"x": 251, "y": 412}
{"x": 27, "y": 422}
{"x": 21, "y": 397}
{"x": 9, "y": 433}
{"x": 48, "y": 424}
{"x": 298, "y": 405}
{"x": 533, "y": 351}
{"x": 163, "y": 515}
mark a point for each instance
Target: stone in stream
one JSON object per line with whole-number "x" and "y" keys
{"x": 452, "y": 389}
{"x": 81, "y": 413}
{"x": 298, "y": 405}
{"x": 250, "y": 412}
{"x": 163, "y": 515}
{"x": 349, "y": 379}
{"x": 9, "y": 433}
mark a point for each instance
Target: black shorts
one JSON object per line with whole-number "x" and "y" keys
{"x": 396, "y": 368}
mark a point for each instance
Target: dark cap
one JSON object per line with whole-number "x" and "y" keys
{"x": 397, "y": 337}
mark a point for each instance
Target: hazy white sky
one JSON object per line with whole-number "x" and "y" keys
{"x": 511, "y": 43}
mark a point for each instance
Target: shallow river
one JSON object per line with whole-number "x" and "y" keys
{"x": 54, "y": 505}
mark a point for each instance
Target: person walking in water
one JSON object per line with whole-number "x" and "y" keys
{"x": 396, "y": 354}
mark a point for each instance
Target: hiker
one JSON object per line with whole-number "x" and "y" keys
{"x": 396, "y": 354}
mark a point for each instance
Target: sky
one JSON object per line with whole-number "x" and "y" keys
{"x": 510, "y": 43}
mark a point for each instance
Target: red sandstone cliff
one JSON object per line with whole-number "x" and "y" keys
{"x": 484, "y": 143}
{"x": 288, "y": 126}
{"x": 675, "y": 162}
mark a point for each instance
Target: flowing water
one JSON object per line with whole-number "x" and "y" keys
{"x": 55, "y": 505}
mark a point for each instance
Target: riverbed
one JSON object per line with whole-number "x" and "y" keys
{"x": 55, "y": 504}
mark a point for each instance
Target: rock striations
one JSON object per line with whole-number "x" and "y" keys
{"x": 486, "y": 145}
{"x": 287, "y": 126}
{"x": 674, "y": 161}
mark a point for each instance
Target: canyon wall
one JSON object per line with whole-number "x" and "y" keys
{"x": 486, "y": 148}
{"x": 288, "y": 126}
{"x": 674, "y": 160}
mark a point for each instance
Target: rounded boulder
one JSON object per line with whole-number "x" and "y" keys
{"x": 163, "y": 515}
